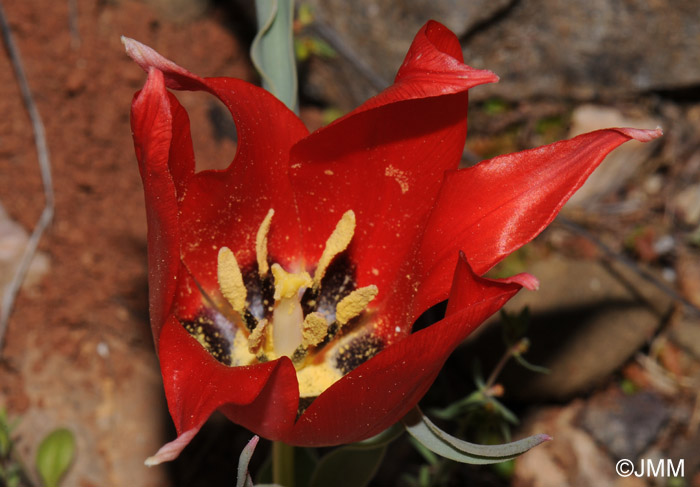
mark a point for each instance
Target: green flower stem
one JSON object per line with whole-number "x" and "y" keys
{"x": 512, "y": 351}
{"x": 282, "y": 464}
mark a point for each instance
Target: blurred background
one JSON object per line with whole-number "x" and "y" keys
{"x": 616, "y": 320}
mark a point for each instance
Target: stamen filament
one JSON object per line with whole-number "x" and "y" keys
{"x": 336, "y": 243}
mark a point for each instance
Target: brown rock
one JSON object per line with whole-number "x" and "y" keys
{"x": 571, "y": 459}
{"x": 587, "y": 321}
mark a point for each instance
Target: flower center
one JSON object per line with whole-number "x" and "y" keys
{"x": 290, "y": 313}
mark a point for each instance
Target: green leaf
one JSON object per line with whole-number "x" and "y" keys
{"x": 426, "y": 453}
{"x": 458, "y": 408}
{"x": 529, "y": 366}
{"x": 244, "y": 479}
{"x": 348, "y": 467}
{"x": 445, "y": 445}
{"x": 503, "y": 411}
{"x": 382, "y": 439}
{"x": 54, "y": 456}
{"x": 6, "y": 428}
{"x": 305, "y": 462}
{"x": 272, "y": 51}
{"x": 354, "y": 465}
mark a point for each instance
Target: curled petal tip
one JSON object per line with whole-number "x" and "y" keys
{"x": 490, "y": 75}
{"x": 147, "y": 57}
{"x": 136, "y": 51}
{"x": 642, "y": 135}
{"x": 170, "y": 451}
{"x": 526, "y": 280}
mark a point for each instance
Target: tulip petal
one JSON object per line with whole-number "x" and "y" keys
{"x": 386, "y": 159}
{"x": 499, "y": 205}
{"x": 225, "y": 208}
{"x": 151, "y": 122}
{"x": 181, "y": 156}
{"x": 263, "y": 398}
{"x": 374, "y": 395}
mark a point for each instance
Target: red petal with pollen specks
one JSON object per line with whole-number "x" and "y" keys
{"x": 262, "y": 397}
{"x": 151, "y": 121}
{"x": 225, "y": 208}
{"x": 385, "y": 161}
{"x": 499, "y": 205}
{"x": 371, "y": 398}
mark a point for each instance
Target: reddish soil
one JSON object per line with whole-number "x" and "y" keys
{"x": 94, "y": 298}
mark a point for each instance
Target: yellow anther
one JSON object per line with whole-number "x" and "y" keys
{"x": 256, "y": 338}
{"x": 261, "y": 243}
{"x": 315, "y": 378}
{"x": 314, "y": 330}
{"x": 231, "y": 280}
{"x": 287, "y": 284}
{"x": 336, "y": 243}
{"x": 354, "y": 303}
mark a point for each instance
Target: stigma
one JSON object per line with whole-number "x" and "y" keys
{"x": 295, "y": 313}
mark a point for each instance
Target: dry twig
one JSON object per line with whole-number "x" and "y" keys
{"x": 13, "y": 288}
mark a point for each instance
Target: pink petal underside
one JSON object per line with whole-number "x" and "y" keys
{"x": 171, "y": 450}
{"x": 497, "y": 206}
{"x": 176, "y": 77}
{"x": 382, "y": 390}
{"x": 528, "y": 281}
{"x": 151, "y": 123}
{"x": 385, "y": 161}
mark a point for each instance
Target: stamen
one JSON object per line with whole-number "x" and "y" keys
{"x": 255, "y": 339}
{"x": 336, "y": 243}
{"x": 298, "y": 324}
{"x": 315, "y": 329}
{"x": 231, "y": 280}
{"x": 261, "y": 243}
{"x": 287, "y": 284}
{"x": 354, "y": 303}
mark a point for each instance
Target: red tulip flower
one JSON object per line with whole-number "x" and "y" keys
{"x": 283, "y": 289}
